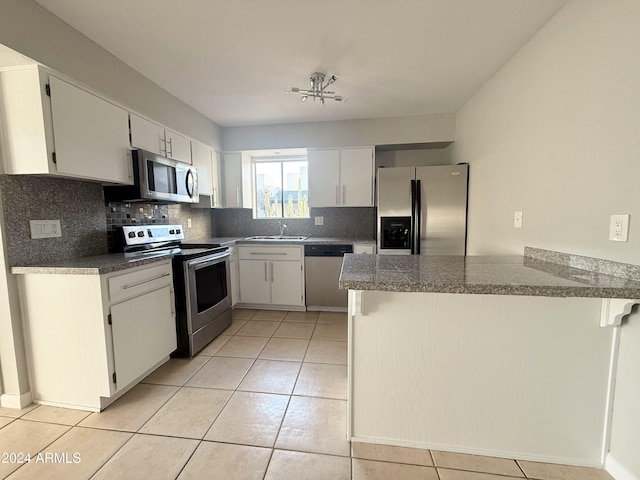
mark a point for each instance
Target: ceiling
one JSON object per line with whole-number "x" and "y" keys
{"x": 232, "y": 59}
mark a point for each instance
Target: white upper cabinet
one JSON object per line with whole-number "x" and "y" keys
{"x": 205, "y": 159}
{"x": 53, "y": 127}
{"x": 324, "y": 174}
{"x": 341, "y": 177}
{"x": 202, "y": 159}
{"x": 237, "y": 180}
{"x": 155, "y": 138}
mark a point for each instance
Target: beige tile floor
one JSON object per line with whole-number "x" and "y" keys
{"x": 265, "y": 400}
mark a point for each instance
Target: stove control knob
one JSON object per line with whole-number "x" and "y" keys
{"x": 172, "y": 231}
{"x": 141, "y": 233}
{"x": 149, "y": 233}
{"x": 178, "y": 231}
{"x": 132, "y": 235}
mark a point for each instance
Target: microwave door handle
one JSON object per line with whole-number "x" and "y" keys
{"x": 190, "y": 184}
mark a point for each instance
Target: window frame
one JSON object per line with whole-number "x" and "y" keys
{"x": 281, "y": 159}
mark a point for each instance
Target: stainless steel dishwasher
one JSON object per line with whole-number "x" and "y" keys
{"x": 322, "y": 265}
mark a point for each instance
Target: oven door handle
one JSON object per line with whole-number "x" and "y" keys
{"x": 209, "y": 259}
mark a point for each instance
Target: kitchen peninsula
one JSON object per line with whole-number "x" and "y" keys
{"x": 500, "y": 356}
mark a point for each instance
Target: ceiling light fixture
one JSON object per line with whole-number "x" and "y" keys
{"x": 318, "y": 89}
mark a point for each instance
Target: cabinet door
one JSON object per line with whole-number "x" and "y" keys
{"x": 356, "y": 177}
{"x": 91, "y": 135}
{"x": 286, "y": 283}
{"x": 178, "y": 146}
{"x": 144, "y": 332}
{"x": 233, "y": 180}
{"x": 234, "y": 273}
{"x": 216, "y": 200}
{"x": 362, "y": 248}
{"x": 147, "y": 135}
{"x": 201, "y": 156}
{"x": 254, "y": 281}
{"x": 323, "y": 178}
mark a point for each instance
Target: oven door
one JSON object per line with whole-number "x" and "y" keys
{"x": 207, "y": 288}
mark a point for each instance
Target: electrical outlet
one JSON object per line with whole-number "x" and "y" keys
{"x": 517, "y": 220}
{"x": 319, "y": 220}
{"x": 45, "y": 228}
{"x": 619, "y": 228}
{"x": 188, "y": 223}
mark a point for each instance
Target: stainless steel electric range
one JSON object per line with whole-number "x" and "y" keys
{"x": 200, "y": 278}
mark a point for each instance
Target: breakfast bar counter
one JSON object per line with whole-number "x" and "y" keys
{"x": 494, "y": 275}
{"x": 501, "y": 356}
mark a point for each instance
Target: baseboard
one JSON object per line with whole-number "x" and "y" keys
{"x": 15, "y": 401}
{"x": 484, "y": 453}
{"x": 616, "y": 470}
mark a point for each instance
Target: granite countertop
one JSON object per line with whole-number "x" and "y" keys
{"x": 95, "y": 265}
{"x": 113, "y": 262}
{"x": 493, "y": 275}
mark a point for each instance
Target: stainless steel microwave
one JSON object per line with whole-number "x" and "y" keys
{"x": 157, "y": 179}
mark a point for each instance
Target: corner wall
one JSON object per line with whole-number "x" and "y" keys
{"x": 556, "y": 133}
{"x": 33, "y": 31}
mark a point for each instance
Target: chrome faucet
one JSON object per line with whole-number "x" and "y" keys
{"x": 283, "y": 227}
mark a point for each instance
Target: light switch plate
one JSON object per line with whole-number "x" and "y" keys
{"x": 45, "y": 228}
{"x": 517, "y": 220}
{"x": 319, "y": 220}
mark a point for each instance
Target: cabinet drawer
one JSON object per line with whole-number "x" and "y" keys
{"x": 136, "y": 283}
{"x": 269, "y": 252}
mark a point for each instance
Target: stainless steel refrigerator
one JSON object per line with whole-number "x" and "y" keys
{"x": 423, "y": 210}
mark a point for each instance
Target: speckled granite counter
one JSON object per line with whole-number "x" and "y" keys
{"x": 495, "y": 275}
{"x": 95, "y": 265}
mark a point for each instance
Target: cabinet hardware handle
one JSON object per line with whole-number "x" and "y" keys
{"x": 271, "y": 271}
{"x": 238, "y": 204}
{"x": 170, "y": 154}
{"x": 344, "y": 194}
{"x": 337, "y": 195}
{"x": 163, "y": 150}
{"x": 267, "y": 253}
{"x": 265, "y": 271}
{"x": 215, "y": 195}
{"x": 142, "y": 282}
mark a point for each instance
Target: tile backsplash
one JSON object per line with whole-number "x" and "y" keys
{"x": 86, "y": 223}
{"x": 359, "y": 222}
{"x": 119, "y": 214}
{"x": 78, "y": 206}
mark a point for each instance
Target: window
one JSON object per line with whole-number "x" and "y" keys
{"x": 281, "y": 187}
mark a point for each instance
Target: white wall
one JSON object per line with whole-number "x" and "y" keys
{"x": 33, "y": 31}
{"x": 556, "y": 133}
{"x": 344, "y": 133}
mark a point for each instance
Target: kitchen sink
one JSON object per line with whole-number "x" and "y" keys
{"x": 278, "y": 237}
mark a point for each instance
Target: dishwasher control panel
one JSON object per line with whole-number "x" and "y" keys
{"x": 327, "y": 250}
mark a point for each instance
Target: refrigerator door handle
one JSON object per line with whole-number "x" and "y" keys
{"x": 418, "y": 215}
{"x": 412, "y": 237}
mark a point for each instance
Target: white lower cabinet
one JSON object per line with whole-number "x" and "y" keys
{"x": 90, "y": 338}
{"x": 234, "y": 274}
{"x": 271, "y": 275}
{"x": 366, "y": 248}
{"x": 140, "y": 318}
